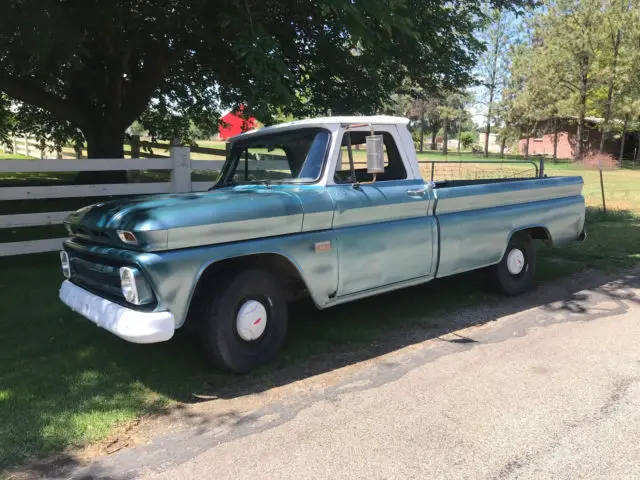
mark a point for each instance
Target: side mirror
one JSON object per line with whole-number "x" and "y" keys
{"x": 375, "y": 154}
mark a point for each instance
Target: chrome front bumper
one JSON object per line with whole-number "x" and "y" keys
{"x": 131, "y": 325}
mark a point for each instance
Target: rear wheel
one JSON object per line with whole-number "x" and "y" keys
{"x": 515, "y": 273}
{"x": 246, "y": 322}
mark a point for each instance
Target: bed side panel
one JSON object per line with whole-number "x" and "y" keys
{"x": 475, "y": 228}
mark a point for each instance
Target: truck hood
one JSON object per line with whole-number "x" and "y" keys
{"x": 162, "y": 222}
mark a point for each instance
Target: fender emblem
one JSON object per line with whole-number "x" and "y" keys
{"x": 322, "y": 246}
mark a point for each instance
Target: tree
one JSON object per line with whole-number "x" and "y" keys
{"x": 450, "y": 110}
{"x": 6, "y": 121}
{"x": 615, "y": 29}
{"x": 533, "y": 93}
{"x": 420, "y": 107}
{"x": 492, "y": 69}
{"x": 462, "y": 117}
{"x": 414, "y": 104}
{"x": 627, "y": 80}
{"x": 571, "y": 40}
{"x": 466, "y": 139}
{"x": 525, "y": 102}
{"x": 95, "y": 66}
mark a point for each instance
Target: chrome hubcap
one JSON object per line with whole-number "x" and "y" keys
{"x": 515, "y": 261}
{"x": 251, "y": 321}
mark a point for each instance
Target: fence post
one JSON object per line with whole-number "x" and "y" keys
{"x": 604, "y": 202}
{"x": 181, "y": 173}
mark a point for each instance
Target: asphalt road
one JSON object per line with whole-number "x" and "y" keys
{"x": 549, "y": 392}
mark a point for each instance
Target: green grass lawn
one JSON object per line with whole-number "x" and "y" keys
{"x": 65, "y": 383}
{"x": 13, "y": 156}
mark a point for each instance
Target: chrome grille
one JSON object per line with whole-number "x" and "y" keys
{"x": 97, "y": 277}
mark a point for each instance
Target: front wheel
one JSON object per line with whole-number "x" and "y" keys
{"x": 515, "y": 274}
{"x": 246, "y": 322}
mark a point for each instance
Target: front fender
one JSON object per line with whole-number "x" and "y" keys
{"x": 175, "y": 274}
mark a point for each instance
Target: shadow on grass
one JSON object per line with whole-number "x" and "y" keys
{"x": 65, "y": 383}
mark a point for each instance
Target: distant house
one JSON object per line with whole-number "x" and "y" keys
{"x": 234, "y": 123}
{"x": 494, "y": 144}
{"x": 541, "y": 143}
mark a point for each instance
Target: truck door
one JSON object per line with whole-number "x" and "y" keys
{"x": 384, "y": 230}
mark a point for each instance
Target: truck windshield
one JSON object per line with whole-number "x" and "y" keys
{"x": 288, "y": 157}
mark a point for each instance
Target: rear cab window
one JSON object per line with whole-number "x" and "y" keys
{"x": 394, "y": 168}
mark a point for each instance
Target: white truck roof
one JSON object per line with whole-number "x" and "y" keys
{"x": 333, "y": 123}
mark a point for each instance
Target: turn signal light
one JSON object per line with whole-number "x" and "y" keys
{"x": 127, "y": 237}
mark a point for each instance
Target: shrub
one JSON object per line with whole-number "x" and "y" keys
{"x": 595, "y": 159}
{"x": 467, "y": 139}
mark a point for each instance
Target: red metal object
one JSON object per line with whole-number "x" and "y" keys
{"x": 235, "y": 123}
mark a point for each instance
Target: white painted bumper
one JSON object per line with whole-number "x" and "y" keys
{"x": 131, "y": 325}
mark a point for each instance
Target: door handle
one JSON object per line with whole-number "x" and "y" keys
{"x": 418, "y": 192}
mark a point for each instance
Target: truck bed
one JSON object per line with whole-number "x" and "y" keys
{"x": 477, "y": 217}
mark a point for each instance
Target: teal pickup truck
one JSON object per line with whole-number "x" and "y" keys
{"x": 294, "y": 214}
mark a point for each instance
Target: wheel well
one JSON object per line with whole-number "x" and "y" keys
{"x": 537, "y": 233}
{"x": 277, "y": 265}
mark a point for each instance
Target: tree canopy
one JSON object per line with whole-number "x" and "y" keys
{"x": 96, "y": 66}
{"x": 580, "y": 59}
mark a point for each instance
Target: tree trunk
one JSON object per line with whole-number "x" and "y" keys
{"x": 487, "y": 130}
{"x": 555, "y": 139}
{"x": 622, "y": 139}
{"x": 434, "y": 144}
{"x": 503, "y": 145}
{"x": 445, "y": 135}
{"x": 135, "y": 146}
{"x": 584, "y": 85}
{"x": 607, "y": 109}
{"x": 459, "y": 133}
{"x": 105, "y": 143}
{"x": 526, "y": 147}
{"x": 637, "y": 155}
{"x": 492, "y": 87}
{"x": 422, "y": 131}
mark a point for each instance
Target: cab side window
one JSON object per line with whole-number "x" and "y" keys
{"x": 393, "y": 166}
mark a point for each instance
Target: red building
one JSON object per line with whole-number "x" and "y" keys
{"x": 542, "y": 142}
{"x": 234, "y": 123}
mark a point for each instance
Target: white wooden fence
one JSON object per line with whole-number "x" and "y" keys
{"x": 33, "y": 148}
{"x": 135, "y": 147}
{"x": 179, "y": 163}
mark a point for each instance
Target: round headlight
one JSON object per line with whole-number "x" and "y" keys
{"x": 65, "y": 263}
{"x": 128, "y": 285}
